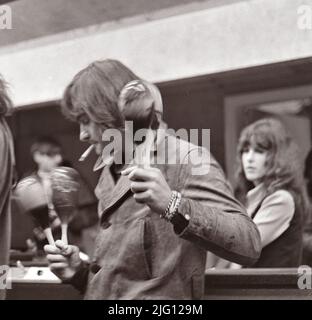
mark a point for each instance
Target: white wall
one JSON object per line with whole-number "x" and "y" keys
{"x": 241, "y": 34}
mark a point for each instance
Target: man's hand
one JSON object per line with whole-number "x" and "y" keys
{"x": 64, "y": 259}
{"x": 149, "y": 187}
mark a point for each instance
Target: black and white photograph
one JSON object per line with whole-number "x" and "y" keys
{"x": 155, "y": 150}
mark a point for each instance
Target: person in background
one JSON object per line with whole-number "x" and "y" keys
{"x": 308, "y": 173}
{"x": 47, "y": 155}
{"x": 270, "y": 184}
{"x": 7, "y": 162}
{"x": 307, "y": 233}
{"x": 158, "y": 219}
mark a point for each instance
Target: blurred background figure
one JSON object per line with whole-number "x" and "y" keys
{"x": 6, "y": 177}
{"x": 308, "y": 173}
{"x": 270, "y": 184}
{"x": 47, "y": 155}
{"x": 307, "y": 235}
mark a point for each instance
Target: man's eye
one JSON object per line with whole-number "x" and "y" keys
{"x": 84, "y": 120}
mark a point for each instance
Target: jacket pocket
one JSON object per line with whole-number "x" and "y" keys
{"x": 122, "y": 250}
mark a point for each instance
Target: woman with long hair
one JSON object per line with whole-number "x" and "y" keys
{"x": 270, "y": 184}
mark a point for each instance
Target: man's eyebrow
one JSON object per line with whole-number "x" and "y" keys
{"x": 82, "y": 116}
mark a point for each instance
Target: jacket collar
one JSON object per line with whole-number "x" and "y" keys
{"x": 108, "y": 159}
{"x": 107, "y": 191}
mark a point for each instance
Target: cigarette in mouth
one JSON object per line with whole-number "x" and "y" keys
{"x": 86, "y": 153}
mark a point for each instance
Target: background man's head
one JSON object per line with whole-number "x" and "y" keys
{"x": 46, "y": 153}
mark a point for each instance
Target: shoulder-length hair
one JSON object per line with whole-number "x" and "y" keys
{"x": 6, "y": 105}
{"x": 284, "y": 170}
{"x": 95, "y": 90}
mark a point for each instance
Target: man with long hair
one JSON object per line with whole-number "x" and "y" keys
{"x": 6, "y": 177}
{"x": 157, "y": 218}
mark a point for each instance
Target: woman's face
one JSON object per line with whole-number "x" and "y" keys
{"x": 254, "y": 163}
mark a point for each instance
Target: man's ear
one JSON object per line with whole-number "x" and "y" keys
{"x": 58, "y": 159}
{"x": 37, "y": 157}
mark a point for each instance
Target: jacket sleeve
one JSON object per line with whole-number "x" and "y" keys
{"x": 80, "y": 278}
{"x": 217, "y": 221}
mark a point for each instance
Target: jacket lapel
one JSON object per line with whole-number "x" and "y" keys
{"x": 110, "y": 192}
{"x": 119, "y": 191}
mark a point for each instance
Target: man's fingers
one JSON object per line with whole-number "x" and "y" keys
{"x": 139, "y": 186}
{"x": 128, "y": 170}
{"x": 56, "y": 258}
{"x": 142, "y": 174}
{"x": 60, "y": 244}
{"x": 58, "y": 265}
{"x": 65, "y": 249}
{"x": 49, "y": 249}
{"x": 142, "y": 197}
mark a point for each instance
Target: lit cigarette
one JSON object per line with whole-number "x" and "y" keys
{"x": 86, "y": 153}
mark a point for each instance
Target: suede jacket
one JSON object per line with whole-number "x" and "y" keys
{"x": 139, "y": 255}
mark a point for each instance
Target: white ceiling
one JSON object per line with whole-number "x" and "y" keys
{"x": 39, "y": 18}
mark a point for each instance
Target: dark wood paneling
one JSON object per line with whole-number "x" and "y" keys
{"x": 249, "y": 284}
{"x": 192, "y": 107}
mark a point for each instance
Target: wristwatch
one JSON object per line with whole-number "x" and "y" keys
{"x": 180, "y": 222}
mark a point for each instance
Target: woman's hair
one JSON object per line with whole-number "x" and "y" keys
{"x": 95, "y": 90}
{"x": 6, "y": 105}
{"x": 284, "y": 170}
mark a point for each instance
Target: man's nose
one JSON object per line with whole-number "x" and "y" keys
{"x": 84, "y": 134}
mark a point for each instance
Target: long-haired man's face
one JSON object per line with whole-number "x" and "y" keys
{"x": 254, "y": 160}
{"x": 90, "y": 132}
